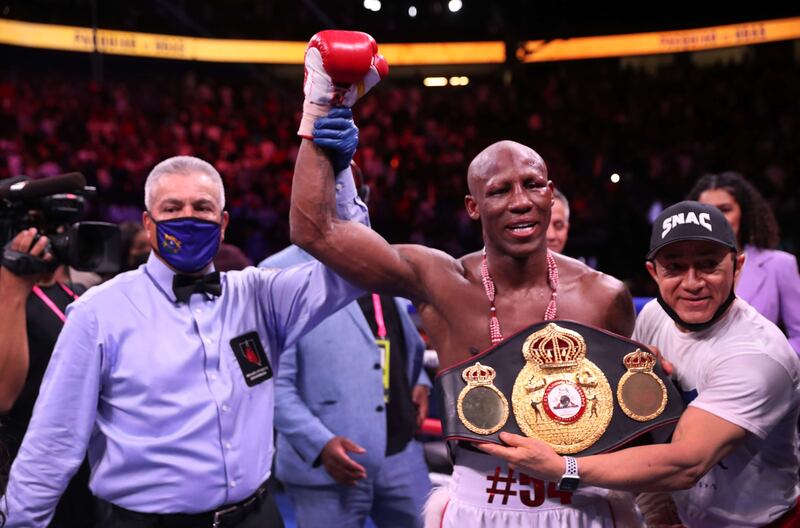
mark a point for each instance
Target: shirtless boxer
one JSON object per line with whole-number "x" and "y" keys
{"x": 516, "y": 278}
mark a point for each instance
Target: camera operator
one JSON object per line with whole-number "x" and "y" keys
{"x": 41, "y": 221}
{"x": 31, "y": 317}
{"x": 14, "y": 290}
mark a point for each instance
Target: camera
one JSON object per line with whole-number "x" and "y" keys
{"x": 55, "y": 206}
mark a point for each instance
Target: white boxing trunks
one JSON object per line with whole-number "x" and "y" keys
{"x": 485, "y": 492}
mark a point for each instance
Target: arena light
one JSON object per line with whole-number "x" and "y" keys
{"x": 412, "y": 11}
{"x": 459, "y": 81}
{"x": 372, "y": 5}
{"x": 615, "y": 178}
{"x": 113, "y": 42}
{"x": 679, "y": 41}
{"x": 454, "y": 6}
{"x": 432, "y": 82}
{"x": 490, "y": 52}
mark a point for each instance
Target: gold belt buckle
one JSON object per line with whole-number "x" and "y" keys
{"x": 560, "y": 397}
{"x": 219, "y": 513}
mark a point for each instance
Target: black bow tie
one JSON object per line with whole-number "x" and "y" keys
{"x": 185, "y": 285}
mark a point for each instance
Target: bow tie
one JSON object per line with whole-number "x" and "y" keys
{"x": 185, "y": 285}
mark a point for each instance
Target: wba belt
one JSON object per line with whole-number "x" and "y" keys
{"x": 578, "y": 388}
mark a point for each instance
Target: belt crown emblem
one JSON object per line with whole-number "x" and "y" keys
{"x": 639, "y": 361}
{"x": 554, "y": 347}
{"x": 479, "y": 374}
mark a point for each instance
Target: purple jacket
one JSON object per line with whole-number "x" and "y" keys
{"x": 771, "y": 284}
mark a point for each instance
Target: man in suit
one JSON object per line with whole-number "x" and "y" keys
{"x": 346, "y": 448}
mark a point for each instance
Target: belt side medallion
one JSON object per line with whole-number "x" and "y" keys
{"x": 559, "y": 396}
{"x": 641, "y": 394}
{"x": 482, "y": 408}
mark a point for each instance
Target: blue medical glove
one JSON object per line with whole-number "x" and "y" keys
{"x": 338, "y": 135}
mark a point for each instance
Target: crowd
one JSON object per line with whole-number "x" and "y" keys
{"x": 184, "y": 431}
{"x": 658, "y": 132}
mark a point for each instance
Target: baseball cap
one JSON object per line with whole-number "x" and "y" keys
{"x": 689, "y": 220}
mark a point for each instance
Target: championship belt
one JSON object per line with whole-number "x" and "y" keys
{"x": 577, "y": 388}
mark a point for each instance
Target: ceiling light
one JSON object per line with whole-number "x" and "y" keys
{"x": 372, "y": 5}
{"x": 434, "y": 81}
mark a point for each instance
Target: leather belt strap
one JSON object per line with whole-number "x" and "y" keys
{"x": 226, "y": 515}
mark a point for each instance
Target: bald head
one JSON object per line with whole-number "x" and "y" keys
{"x": 499, "y": 156}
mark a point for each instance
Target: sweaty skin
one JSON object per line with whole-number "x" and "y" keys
{"x": 511, "y": 196}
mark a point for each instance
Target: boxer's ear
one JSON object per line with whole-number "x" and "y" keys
{"x": 472, "y": 207}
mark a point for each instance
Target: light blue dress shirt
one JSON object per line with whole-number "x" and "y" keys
{"x": 153, "y": 389}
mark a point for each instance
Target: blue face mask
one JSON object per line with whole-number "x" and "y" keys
{"x": 187, "y": 244}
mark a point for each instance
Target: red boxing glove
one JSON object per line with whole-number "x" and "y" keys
{"x": 340, "y": 67}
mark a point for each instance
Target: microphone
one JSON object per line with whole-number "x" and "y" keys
{"x": 25, "y": 189}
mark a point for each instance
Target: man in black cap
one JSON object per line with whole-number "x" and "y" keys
{"x": 733, "y": 457}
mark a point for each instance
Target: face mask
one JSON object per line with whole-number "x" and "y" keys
{"x": 187, "y": 244}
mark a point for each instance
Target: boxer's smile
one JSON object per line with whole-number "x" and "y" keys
{"x": 523, "y": 229}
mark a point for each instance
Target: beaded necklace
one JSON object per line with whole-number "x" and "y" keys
{"x": 488, "y": 285}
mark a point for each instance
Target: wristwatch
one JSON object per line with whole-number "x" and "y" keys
{"x": 570, "y": 479}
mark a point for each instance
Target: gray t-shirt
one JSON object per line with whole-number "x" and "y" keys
{"x": 744, "y": 371}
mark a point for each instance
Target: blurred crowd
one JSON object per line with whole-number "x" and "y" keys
{"x": 658, "y": 131}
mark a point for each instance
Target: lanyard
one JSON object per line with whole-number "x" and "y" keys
{"x": 376, "y": 304}
{"x": 383, "y": 344}
{"x": 49, "y": 302}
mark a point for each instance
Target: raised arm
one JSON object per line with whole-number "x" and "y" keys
{"x": 353, "y": 250}
{"x": 340, "y": 66}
